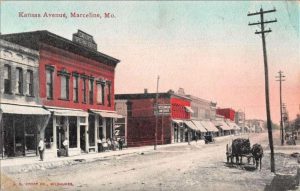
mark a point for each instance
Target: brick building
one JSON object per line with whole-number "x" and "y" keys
{"x": 76, "y": 86}
{"x": 172, "y": 126}
{"x": 228, "y": 113}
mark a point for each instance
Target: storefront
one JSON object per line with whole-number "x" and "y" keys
{"x": 66, "y": 124}
{"x": 178, "y": 127}
{"x": 21, "y": 127}
{"x": 101, "y": 127}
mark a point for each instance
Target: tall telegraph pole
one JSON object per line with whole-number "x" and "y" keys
{"x": 262, "y": 33}
{"x": 281, "y": 79}
{"x": 156, "y": 116}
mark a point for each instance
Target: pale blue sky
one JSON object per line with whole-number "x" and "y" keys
{"x": 205, "y": 47}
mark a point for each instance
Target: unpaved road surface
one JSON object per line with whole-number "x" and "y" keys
{"x": 184, "y": 167}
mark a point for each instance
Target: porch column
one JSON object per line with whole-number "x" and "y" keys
{"x": 78, "y": 133}
{"x": 54, "y": 133}
{"x": 86, "y": 132}
{"x": 104, "y": 128}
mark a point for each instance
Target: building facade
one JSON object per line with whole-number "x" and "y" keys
{"x": 204, "y": 113}
{"x": 169, "y": 123}
{"x": 76, "y": 86}
{"x": 228, "y": 113}
{"x": 22, "y": 118}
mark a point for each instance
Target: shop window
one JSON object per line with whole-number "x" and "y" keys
{"x": 82, "y": 119}
{"x": 91, "y": 91}
{"x": 7, "y": 79}
{"x": 92, "y": 130}
{"x": 75, "y": 88}
{"x": 19, "y": 81}
{"x": 29, "y": 83}
{"x": 49, "y": 82}
{"x": 73, "y": 132}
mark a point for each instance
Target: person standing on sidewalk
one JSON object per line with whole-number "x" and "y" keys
{"x": 120, "y": 144}
{"x": 41, "y": 148}
{"x": 66, "y": 146}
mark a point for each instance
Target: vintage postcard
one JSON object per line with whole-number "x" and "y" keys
{"x": 149, "y": 95}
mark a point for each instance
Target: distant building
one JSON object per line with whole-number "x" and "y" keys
{"x": 228, "y": 113}
{"x": 204, "y": 113}
{"x": 255, "y": 125}
{"x": 174, "y": 113}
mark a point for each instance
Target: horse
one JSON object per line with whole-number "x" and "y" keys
{"x": 257, "y": 153}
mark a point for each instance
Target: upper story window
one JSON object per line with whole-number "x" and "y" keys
{"x": 7, "y": 79}
{"x": 91, "y": 90}
{"x": 49, "y": 81}
{"x": 100, "y": 92}
{"x": 29, "y": 83}
{"x": 83, "y": 88}
{"x": 19, "y": 81}
{"x": 109, "y": 94}
{"x": 64, "y": 84}
{"x": 75, "y": 87}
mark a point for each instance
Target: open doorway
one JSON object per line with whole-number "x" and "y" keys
{"x": 82, "y": 138}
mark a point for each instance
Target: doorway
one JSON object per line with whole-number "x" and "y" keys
{"x": 82, "y": 138}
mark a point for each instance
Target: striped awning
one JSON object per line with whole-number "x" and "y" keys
{"x": 199, "y": 126}
{"x": 209, "y": 126}
{"x": 191, "y": 125}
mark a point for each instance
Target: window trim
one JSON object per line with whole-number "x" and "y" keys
{"x": 20, "y": 82}
{"x": 83, "y": 88}
{"x": 51, "y": 70}
{"x": 64, "y": 73}
{"x": 31, "y": 82}
{"x": 9, "y": 79}
{"x": 75, "y": 90}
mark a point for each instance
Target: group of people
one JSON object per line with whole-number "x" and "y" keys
{"x": 41, "y": 147}
{"x": 109, "y": 144}
{"x": 103, "y": 145}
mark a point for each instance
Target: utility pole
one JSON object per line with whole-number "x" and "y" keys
{"x": 281, "y": 79}
{"x": 156, "y": 116}
{"x": 263, "y": 32}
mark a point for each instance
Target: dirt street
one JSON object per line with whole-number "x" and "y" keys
{"x": 185, "y": 167}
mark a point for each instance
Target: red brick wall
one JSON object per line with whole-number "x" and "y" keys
{"x": 178, "y": 108}
{"x": 227, "y": 113}
{"x": 61, "y": 59}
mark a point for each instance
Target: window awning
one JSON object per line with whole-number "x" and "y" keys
{"x": 209, "y": 126}
{"x": 191, "y": 125}
{"x": 177, "y": 121}
{"x": 223, "y": 125}
{"x": 57, "y": 111}
{"x": 199, "y": 126}
{"x": 23, "y": 109}
{"x": 106, "y": 114}
{"x": 188, "y": 109}
{"x": 233, "y": 125}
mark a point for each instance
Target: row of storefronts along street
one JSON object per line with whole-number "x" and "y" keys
{"x": 57, "y": 89}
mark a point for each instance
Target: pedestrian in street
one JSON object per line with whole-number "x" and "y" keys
{"x": 120, "y": 144}
{"x": 66, "y": 146}
{"x": 41, "y": 148}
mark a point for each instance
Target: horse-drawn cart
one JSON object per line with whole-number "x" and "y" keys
{"x": 241, "y": 148}
{"x": 209, "y": 139}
